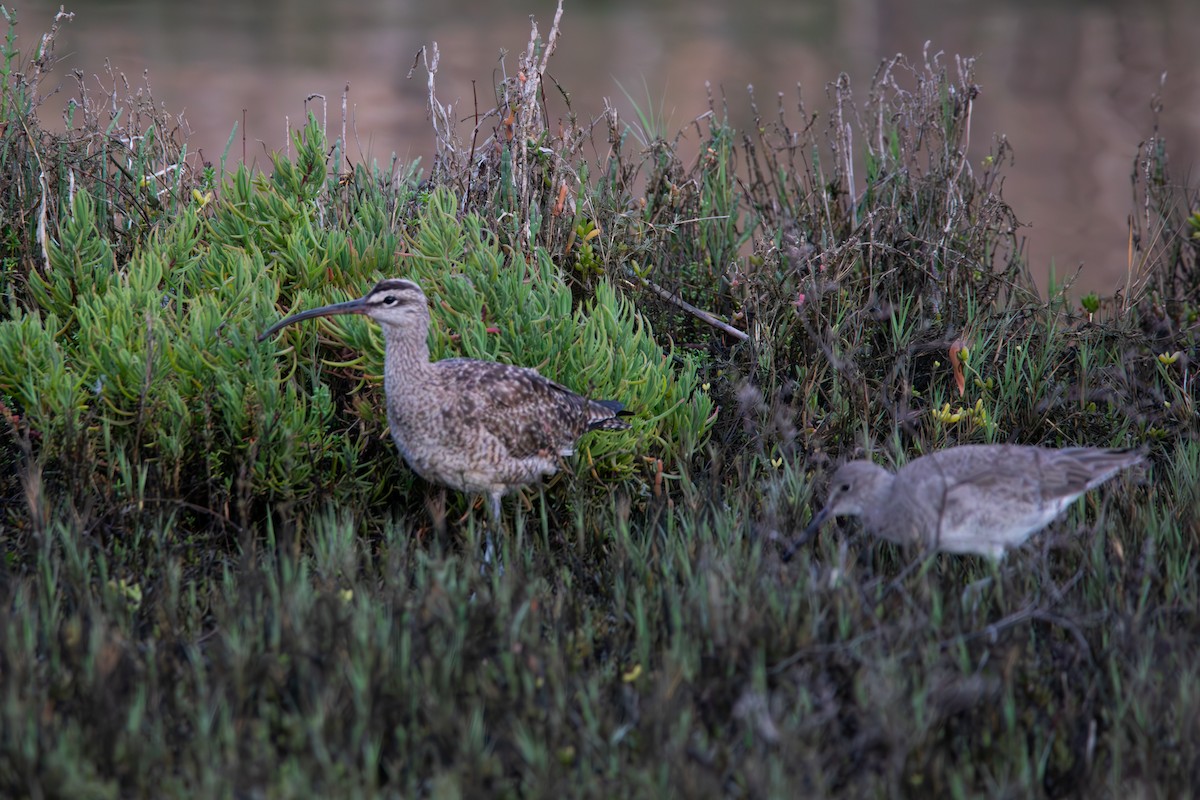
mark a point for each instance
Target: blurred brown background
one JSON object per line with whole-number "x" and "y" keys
{"x": 1069, "y": 82}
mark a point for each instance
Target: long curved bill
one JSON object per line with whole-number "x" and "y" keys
{"x": 813, "y": 526}
{"x": 358, "y": 306}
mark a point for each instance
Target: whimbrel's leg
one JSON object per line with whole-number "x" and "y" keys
{"x": 494, "y": 509}
{"x": 435, "y": 504}
{"x": 489, "y": 548}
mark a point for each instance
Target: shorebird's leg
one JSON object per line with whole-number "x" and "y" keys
{"x": 435, "y": 504}
{"x": 494, "y": 509}
{"x": 493, "y": 522}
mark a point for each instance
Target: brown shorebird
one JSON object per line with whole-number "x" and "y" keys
{"x": 476, "y": 426}
{"x": 981, "y": 498}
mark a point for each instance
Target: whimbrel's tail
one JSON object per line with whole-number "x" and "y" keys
{"x": 605, "y": 415}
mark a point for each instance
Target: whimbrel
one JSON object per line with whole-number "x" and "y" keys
{"x": 480, "y": 427}
{"x": 981, "y": 498}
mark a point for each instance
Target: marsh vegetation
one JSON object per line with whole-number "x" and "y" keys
{"x": 219, "y": 579}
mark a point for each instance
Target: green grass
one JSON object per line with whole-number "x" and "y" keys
{"x": 217, "y": 577}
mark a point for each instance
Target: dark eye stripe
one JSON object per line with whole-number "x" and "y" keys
{"x": 393, "y": 300}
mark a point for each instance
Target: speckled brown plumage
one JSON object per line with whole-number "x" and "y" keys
{"x": 475, "y": 426}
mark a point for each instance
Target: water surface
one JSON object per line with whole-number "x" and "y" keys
{"x": 1069, "y": 82}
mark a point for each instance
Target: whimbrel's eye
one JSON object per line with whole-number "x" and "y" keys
{"x": 845, "y": 487}
{"x": 390, "y": 300}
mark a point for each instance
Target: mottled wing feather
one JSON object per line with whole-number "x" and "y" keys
{"x": 529, "y": 414}
{"x": 605, "y": 415}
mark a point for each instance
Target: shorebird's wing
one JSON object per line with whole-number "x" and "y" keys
{"x": 975, "y": 469}
{"x": 1052, "y": 476}
{"x": 1029, "y": 473}
{"x": 1082, "y": 468}
{"x": 529, "y": 414}
{"x": 1005, "y": 493}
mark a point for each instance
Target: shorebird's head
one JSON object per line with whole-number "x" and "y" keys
{"x": 394, "y": 303}
{"x": 856, "y": 488}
